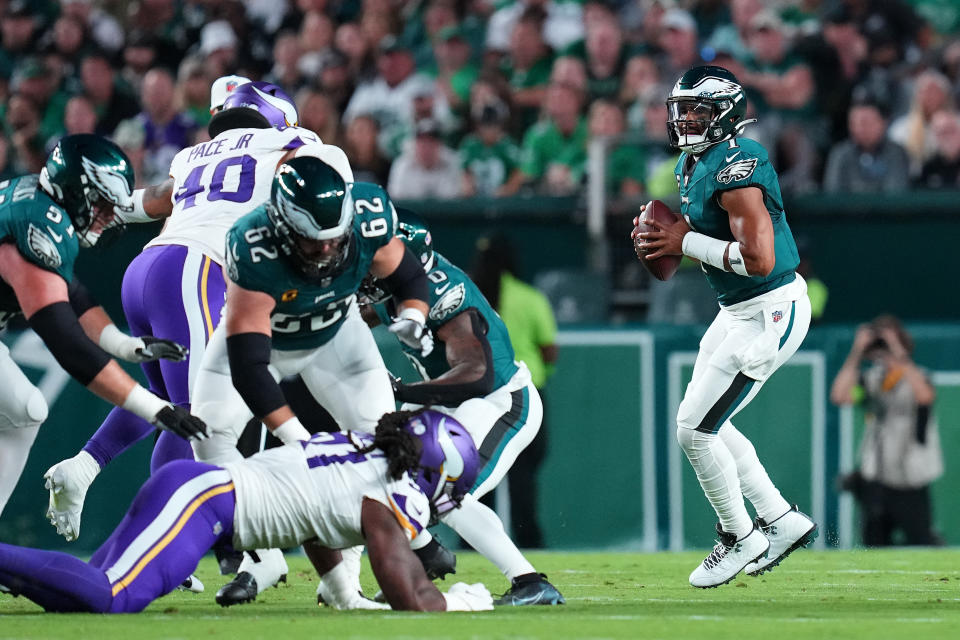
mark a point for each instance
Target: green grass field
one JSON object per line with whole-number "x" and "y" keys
{"x": 834, "y": 595}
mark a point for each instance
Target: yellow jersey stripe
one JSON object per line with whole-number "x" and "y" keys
{"x": 203, "y": 295}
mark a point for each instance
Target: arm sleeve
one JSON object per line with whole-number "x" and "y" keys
{"x": 81, "y": 300}
{"x": 408, "y": 281}
{"x": 249, "y": 355}
{"x": 57, "y": 326}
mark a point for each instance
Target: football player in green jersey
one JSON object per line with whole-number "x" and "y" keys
{"x": 294, "y": 265}
{"x": 733, "y": 222}
{"x": 473, "y": 372}
{"x": 44, "y": 219}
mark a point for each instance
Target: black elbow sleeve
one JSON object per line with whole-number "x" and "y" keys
{"x": 81, "y": 300}
{"x": 408, "y": 281}
{"x": 57, "y": 326}
{"x": 249, "y": 355}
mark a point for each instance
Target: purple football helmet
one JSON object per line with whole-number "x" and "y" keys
{"x": 449, "y": 461}
{"x": 269, "y": 100}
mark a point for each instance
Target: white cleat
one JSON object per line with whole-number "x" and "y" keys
{"x": 728, "y": 558}
{"x": 191, "y": 584}
{"x": 68, "y": 481}
{"x": 786, "y": 534}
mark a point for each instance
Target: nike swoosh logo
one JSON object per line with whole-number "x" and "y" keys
{"x": 56, "y": 236}
{"x": 729, "y": 158}
{"x": 439, "y": 290}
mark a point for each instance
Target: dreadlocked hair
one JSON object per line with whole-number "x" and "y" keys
{"x": 401, "y": 447}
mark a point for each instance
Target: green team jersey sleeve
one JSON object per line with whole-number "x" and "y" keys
{"x": 42, "y": 231}
{"x": 375, "y": 217}
{"x": 251, "y": 252}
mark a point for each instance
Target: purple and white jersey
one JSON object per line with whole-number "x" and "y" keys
{"x": 316, "y": 489}
{"x": 218, "y": 181}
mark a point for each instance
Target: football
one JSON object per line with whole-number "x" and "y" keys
{"x": 663, "y": 267}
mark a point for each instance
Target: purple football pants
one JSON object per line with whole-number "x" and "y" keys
{"x": 179, "y": 514}
{"x": 175, "y": 293}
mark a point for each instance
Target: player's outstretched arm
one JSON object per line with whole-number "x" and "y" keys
{"x": 403, "y": 276}
{"x": 471, "y": 365}
{"x": 44, "y": 299}
{"x": 100, "y": 328}
{"x": 249, "y": 342}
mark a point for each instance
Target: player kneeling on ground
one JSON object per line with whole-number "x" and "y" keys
{"x": 340, "y": 489}
{"x": 735, "y": 225}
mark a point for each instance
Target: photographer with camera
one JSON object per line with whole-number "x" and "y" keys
{"x": 900, "y": 452}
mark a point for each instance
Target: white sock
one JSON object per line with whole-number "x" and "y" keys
{"x": 480, "y": 527}
{"x": 717, "y": 473}
{"x": 754, "y": 481}
{"x": 14, "y": 448}
{"x": 351, "y": 560}
{"x": 268, "y": 570}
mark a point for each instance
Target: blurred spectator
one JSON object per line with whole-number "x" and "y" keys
{"x": 913, "y": 131}
{"x": 130, "y": 137}
{"x": 868, "y": 161}
{"x": 351, "y": 41}
{"x": 388, "y": 97}
{"x": 34, "y": 81}
{"x": 362, "y": 147}
{"x": 625, "y": 173}
{"x": 167, "y": 130}
{"x": 455, "y": 72}
{"x": 18, "y": 28}
{"x": 78, "y": 117}
{"x": 102, "y": 27}
{"x": 533, "y": 331}
{"x": 315, "y": 38}
{"x": 426, "y": 170}
{"x": 562, "y": 24}
{"x": 318, "y": 114}
{"x": 606, "y": 56}
{"x": 139, "y": 56}
{"x": 22, "y": 122}
{"x": 528, "y": 67}
{"x": 571, "y": 71}
{"x": 900, "y": 451}
{"x": 641, "y": 79}
{"x": 162, "y": 18}
{"x": 554, "y": 149}
{"x": 100, "y": 85}
{"x": 335, "y": 79}
{"x": 7, "y": 169}
{"x": 488, "y": 154}
{"x": 732, "y": 37}
{"x": 942, "y": 170}
{"x": 193, "y": 89}
{"x": 218, "y": 46}
{"x": 67, "y": 45}
{"x": 678, "y": 41}
{"x": 285, "y": 72}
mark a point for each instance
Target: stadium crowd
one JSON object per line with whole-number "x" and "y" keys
{"x": 452, "y": 98}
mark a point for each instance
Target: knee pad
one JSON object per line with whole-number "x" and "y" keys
{"x": 216, "y": 450}
{"x": 29, "y": 411}
{"x": 692, "y": 441}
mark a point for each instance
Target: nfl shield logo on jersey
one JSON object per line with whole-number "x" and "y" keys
{"x": 777, "y": 315}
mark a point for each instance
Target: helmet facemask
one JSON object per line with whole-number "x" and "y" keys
{"x": 696, "y": 124}
{"x": 314, "y": 258}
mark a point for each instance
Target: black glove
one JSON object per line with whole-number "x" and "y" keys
{"x": 181, "y": 422}
{"x": 437, "y": 560}
{"x": 157, "y": 348}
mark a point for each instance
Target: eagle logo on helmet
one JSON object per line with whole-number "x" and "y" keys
{"x": 43, "y": 247}
{"x": 735, "y": 171}
{"x": 111, "y": 185}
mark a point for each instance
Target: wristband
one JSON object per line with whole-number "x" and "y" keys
{"x": 705, "y": 249}
{"x": 143, "y": 403}
{"x": 411, "y": 313}
{"x": 735, "y": 258}
{"x": 139, "y": 214}
{"x": 291, "y": 431}
{"x": 117, "y": 343}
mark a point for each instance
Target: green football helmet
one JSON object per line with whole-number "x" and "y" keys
{"x": 416, "y": 235}
{"x": 706, "y": 106}
{"x": 92, "y": 179}
{"x": 312, "y": 211}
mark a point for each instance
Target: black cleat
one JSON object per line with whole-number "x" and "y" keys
{"x": 530, "y": 590}
{"x": 240, "y": 590}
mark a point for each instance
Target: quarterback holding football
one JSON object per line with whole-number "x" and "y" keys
{"x": 733, "y": 222}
